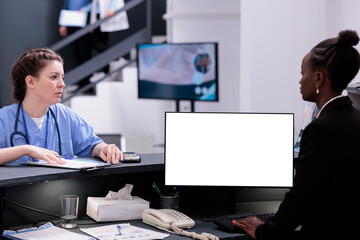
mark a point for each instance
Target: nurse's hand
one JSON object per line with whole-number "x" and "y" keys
{"x": 44, "y": 154}
{"x": 110, "y": 153}
{"x": 12, "y": 153}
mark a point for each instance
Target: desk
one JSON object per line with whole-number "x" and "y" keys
{"x": 20, "y": 177}
{"x": 24, "y": 184}
{"x": 200, "y": 227}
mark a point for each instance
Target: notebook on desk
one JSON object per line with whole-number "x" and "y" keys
{"x": 73, "y": 163}
{"x": 46, "y": 231}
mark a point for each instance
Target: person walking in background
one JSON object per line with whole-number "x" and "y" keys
{"x": 98, "y": 39}
{"x": 81, "y": 47}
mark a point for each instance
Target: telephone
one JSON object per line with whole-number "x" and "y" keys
{"x": 162, "y": 218}
{"x": 172, "y": 220}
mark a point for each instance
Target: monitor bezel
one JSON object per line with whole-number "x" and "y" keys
{"x": 231, "y": 186}
{"x": 180, "y": 99}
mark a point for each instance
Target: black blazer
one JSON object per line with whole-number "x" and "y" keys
{"x": 324, "y": 199}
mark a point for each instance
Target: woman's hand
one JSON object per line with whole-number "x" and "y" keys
{"x": 12, "y": 153}
{"x": 110, "y": 153}
{"x": 44, "y": 154}
{"x": 249, "y": 225}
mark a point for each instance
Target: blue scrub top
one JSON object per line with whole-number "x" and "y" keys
{"x": 77, "y": 137}
{"x": 75, "y": 5}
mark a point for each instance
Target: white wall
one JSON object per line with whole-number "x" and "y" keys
{"x": 275, "y": 36}
{"x": 116, "y": 109}
{"x": 216, "y": 21}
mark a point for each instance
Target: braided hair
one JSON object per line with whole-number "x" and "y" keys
{"x": 338, "y": 58}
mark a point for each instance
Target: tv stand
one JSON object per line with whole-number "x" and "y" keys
{"x": 192, "y": 105}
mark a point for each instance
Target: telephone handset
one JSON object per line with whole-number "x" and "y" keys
{"x": 162, "y": 218}
{"x": 172, "y": 220}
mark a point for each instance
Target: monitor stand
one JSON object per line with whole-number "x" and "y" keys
{"x": 208, "y": 202}
{"x": 192, "y": 105}
{"x": 223, "y": 204}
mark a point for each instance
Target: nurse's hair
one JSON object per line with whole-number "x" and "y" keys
{"x": 338, "y": 58}
{"x": 31, "y": 62}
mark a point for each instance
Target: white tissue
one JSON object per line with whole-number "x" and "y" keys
{"x": 122, "y": 194}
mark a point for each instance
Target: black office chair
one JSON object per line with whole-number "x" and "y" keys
{"x": 111, "y": 139}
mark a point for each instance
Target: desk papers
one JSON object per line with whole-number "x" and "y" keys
{"x": 72, "y": 18}
{"x": 74, "y": 163}
{"x": 45, "y": 232}
{"x": 111, "y": 232}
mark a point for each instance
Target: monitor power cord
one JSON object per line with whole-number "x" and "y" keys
{"x": 46, "y": 213}
{"x": 29, "y": 208}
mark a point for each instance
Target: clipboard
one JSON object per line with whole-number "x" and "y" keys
{"x": 72, "y": 18}
{"x": 82, "y": 164}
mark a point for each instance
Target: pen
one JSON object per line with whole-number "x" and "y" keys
{"x": 157, "y": 189}
{"x": 64, "y": 157}
{"x": 119, "y": 229}
{"x": 177, "y": 192}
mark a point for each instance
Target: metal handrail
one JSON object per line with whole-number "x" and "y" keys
{"x": 92, "y": 84}
{"x": 78, "y": 34}
{"x": 102, "y": 59}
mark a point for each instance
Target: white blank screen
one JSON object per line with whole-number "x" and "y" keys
{"x": 229, "y": 149}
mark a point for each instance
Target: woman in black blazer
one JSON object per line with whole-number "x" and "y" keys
{"x": 324, "y": 200}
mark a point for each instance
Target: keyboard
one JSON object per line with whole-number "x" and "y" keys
{"x": 225, "y": 223}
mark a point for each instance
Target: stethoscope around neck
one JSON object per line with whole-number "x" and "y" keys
{"x": 26, "y": 134}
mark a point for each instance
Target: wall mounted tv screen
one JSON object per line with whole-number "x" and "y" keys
{"x": 180, "y": 71}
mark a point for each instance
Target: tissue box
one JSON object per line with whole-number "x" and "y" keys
{"x": 102, "y": 210}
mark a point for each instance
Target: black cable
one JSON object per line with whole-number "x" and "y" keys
{"x": 38, "y": 223}
{"x": 30, "y": 208}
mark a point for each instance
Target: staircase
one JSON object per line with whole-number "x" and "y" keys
{"x": 101, "y": 60}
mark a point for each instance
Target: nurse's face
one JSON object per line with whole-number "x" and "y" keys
{"x": 308, "y": 80}
{"x": 49, "y": 84}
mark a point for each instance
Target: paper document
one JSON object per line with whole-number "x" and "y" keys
{"x": 45, "y": 232}
{"x": 73, "y": 163}
{"x": 72, "y": 18}
{"x": 123, "y": 231}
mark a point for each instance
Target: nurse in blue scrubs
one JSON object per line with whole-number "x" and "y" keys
{"x": 37, "y": 126}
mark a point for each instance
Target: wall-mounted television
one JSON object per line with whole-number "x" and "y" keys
{"x": 178, "y": 71}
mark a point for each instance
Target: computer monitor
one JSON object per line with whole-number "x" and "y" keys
{"x": 229, "y": 149}
{"x": 179, "y": 71}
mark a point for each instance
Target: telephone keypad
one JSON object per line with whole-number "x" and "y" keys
{"x": 176, "y": 215}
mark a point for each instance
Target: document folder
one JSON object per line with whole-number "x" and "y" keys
{"x": 73, "y": 163}
{"x": 72, "y": 18}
